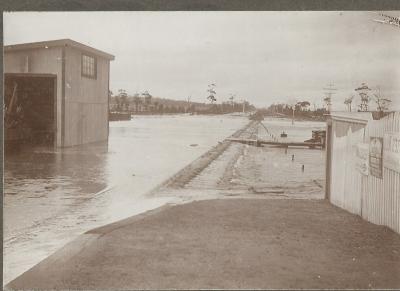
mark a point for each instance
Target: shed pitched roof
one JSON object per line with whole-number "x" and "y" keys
{"x": 57, "y": 43}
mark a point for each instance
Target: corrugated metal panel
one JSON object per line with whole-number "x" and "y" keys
{"x": 383, "y": 195}
{"x": 375, "y": 199}
{"x": 346, "y": 180}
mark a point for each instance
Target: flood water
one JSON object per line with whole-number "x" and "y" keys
{"x": 52, "y": 196}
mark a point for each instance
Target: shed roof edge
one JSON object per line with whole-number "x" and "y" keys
{"x": 57, "y": 43}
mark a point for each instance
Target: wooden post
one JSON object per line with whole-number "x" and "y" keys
{"x": 11, "y": 104}
{"x": 328, "y": 163}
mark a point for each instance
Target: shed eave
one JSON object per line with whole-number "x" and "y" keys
{"x": 57, "y": 43}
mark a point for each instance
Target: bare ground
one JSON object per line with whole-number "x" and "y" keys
{"x": 235, "y": 243}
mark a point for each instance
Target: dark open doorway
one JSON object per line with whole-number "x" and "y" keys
{"x": 30, "y": 110}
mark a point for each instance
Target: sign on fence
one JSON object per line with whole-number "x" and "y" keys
{"x": 362, "y": 154}
{"x": 391, "y": 151}
{"x": 375, "y": 156}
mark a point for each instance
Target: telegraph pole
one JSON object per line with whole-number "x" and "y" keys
{"x": 329, "y": 91}
{"x": 244, "y": 105}
{"x": 232, "y": 102}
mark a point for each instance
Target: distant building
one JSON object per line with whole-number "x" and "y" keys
{"x": 56, "y": 92}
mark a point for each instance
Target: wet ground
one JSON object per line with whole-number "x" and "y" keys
{"x": 52, "y": 196}
{"x": 248, "y": 171}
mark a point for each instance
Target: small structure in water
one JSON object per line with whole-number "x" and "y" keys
{"x": 56, "y": 93}
{"x": 117, "y": 116}
{"x": 318, "y": 136}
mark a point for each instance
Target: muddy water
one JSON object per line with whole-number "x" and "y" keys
{"x": 52, "y": 196}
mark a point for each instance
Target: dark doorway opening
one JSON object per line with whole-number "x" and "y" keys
{"x": 29, "y": 110}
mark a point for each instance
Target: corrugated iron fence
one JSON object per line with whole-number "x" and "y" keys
{"x": 364, "y": 168}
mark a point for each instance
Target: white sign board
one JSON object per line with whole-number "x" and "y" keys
{"x": 391, "y": 151}
{"x": 362, "y": 157}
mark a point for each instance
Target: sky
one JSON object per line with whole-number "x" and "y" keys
{"x": 261, "y": 57}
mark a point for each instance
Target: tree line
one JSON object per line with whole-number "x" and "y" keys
{"x": 301, "y": 109}
{"x": 366, "y": 95}
{"x": 145, "y": 103}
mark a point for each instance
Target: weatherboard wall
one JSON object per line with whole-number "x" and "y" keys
{"x": 86, "y": 101}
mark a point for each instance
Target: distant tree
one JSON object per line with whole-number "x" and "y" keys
{"x": 118, "y": 103}
{"x": 161, "y": 108}
{"x": 382, "y": 103}
{"x": 137, "y": 101}
{"x": 147, "y": 99}
{"x": 123, "y": 99}
{"x": 348, "y": 102}
{"x": 211, "y": 93}
{"x": 304, "y": 105}
{"x": 155, "y": 106}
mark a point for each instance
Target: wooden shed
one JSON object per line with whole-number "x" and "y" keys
{"x": 56, "y": 93}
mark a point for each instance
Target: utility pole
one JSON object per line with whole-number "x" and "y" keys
{"x": 329, "y": 91}
{"x": 232, "y": 98}
{"x": 291, "y": 103}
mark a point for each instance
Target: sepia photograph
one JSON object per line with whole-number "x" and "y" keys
{"x": 154, "y": 150}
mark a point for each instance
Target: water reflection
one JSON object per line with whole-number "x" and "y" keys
{"x": 46, "y": 172}
{"x": 51, "y": 196}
